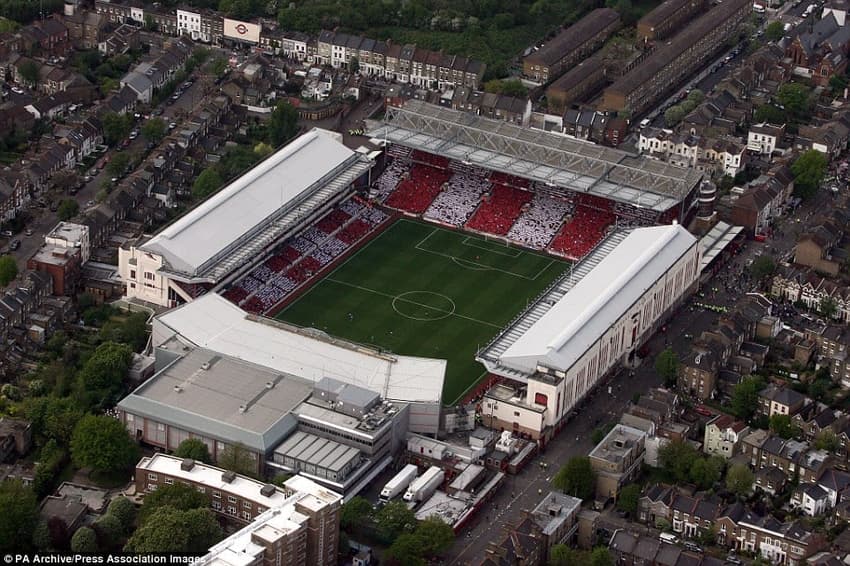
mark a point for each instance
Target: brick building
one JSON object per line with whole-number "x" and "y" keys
{"x": 663, "y": 70}
{"x": 571, "y": 45}
{"x": 295, "y": 524}
{"x": 580, "y": 81}
{"x": 666, "y": 19}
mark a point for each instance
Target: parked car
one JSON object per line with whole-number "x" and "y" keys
{"x": 172, "y": 125}
{"x": 17, "y": 90}
{"x": 6, "y": 233}
{"x": 134, "y": 134}
{"x": 28, "y": 232}
{"x": 54, "y": 206}
{"x": 15, "y": 244}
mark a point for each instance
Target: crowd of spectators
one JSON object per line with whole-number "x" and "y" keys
{"x": 536, "y": 227}
{"x": 418, "y": 189}
{"x": 499, "y": 210}
{"x": 303, "y": 256}
{"x": 458, "y": 199}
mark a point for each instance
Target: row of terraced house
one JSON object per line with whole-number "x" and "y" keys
{"x": 385, "y": 59}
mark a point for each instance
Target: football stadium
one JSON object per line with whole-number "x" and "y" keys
{"x": 450, "y": 243}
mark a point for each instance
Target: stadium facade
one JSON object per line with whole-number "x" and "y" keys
{"x": 594, "y": 317}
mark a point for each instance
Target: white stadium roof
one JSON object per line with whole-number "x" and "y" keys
{"x": 259, "y": 199}
{"x": 216, "y": 324}
{"x": 580, "y": 307}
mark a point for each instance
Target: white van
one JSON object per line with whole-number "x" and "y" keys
{"x": 669, "y": 538}
{"x": 644, "y": 123}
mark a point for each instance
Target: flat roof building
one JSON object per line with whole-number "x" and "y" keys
{"x": 299, "y": 520}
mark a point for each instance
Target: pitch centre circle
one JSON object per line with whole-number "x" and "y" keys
{"x": 423, "y": 305}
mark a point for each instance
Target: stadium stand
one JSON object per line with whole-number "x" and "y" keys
{"x": 458, "y": 200}
{"x": 540, "y": 222}
{"x": 499, "y": 211}
{"x": 436, "y": 161}
{"x": 297, "y": 260}
{"x": 582, "y": 232}
{"x": 418, "y": 190}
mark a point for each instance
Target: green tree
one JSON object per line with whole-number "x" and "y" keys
{"x": 677, "y": 457}
{"x": 745, "y": 397}
{"x": 563, "y": 555}
{"x": 206, "y": 183}
{"x": 353, "y": 65}
{"x": 809, "y": 170}
{"x": 103, "y": 444}
{"x": 172, "y": 530}
{"x": 19, "y": 516}
{"x": 28, "y": 70}
{"x": 774, "y": 31}
{"x": 125, "y": 511}
{"x": 667, "y": 366}
{"x": 826, "y": 440}
{"x": 796, "y": 99}
{"x": 84, "y": 540}
{"x": 394, "y": 519}
{"x": 705, "y": 472}
{"x": 576, "y": 478}
{"x": 783, "y": 426}
{"x": 178, "y": 496}
{"x": 763, "y": 267}
{"x": 263, "y": 149}
{"x": 115, "y": 127}
{"x": 739, "y": 479}
{"x": 600, "y": 556}
{"x": 218, "y": 66}
{"x": 118, "y": 164}
{"x": 837, "y": 84}
{"x": 154, "y": 130}
{"x": 67, "y": 209}
{"x": 405, "y": 551}
{"x": 194, "y": 448}
{"x": 53, "y": 417}
{"x": 283, "y": 123}
{"x": 101, "y": 379}
{"x": 827, "y": 307}
{"x": 237, "y": 458}
{"x": 696, "y": 96}
{"x": 41, "y": 540}
{"x": 109, "y": 530}
{"x": 354, "y": 513}
{"x": 627, "y": 498}
{"x": 8, "y": 270}
{"x": 508, "y": 87}
{"x": 674, "y": 115}
{"x": 770, "y": 114}
{"x": 435, "y": 536}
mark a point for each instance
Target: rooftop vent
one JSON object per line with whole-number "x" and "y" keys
{"x": 228, "y": 476}
{"x": 270, "y": 385}
{"x": 242, "y": 408}
{"x": 205, "y": 366}
{"x": 268, "y": 490}
{"x": 177, "y": 389}
{"x": 187, "y": 464}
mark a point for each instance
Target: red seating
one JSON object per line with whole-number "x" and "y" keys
{"x": 254, "y": 306}
{"x": 582, "y": 232}
{"x": 498, "y": 213}
{"x": 430, "y": 159}
{"x": 235, "y": 295}
{"x": 332, "y": 222}
{"x": 290, "y": 254}
{"x": 277, "y": 263}
{"x": 354, "y": 231}
{"x": 416, "y": 193}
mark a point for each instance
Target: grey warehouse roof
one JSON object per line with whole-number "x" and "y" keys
{"x": 221, "y": 397}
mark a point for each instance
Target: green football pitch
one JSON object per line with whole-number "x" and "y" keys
{"x": 419, "y": 290}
